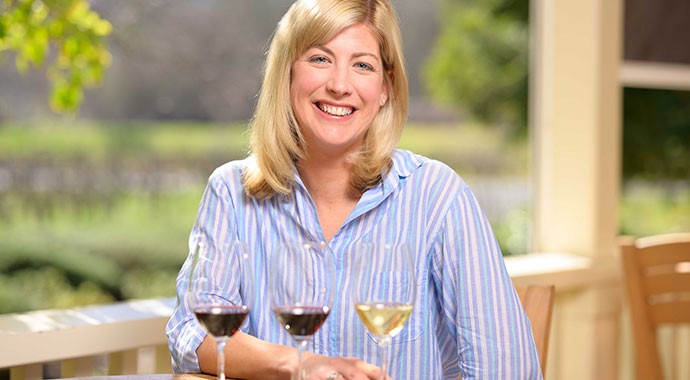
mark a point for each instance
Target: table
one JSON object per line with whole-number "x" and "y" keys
{"x": 159, "y": 376}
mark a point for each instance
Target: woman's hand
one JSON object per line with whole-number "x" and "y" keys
{"x": 319, "y": 367}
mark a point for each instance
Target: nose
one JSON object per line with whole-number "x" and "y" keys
{"x": 338, "y": 82}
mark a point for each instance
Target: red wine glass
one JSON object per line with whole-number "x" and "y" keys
{"x": 215, "y": 268}
{"x": 301, "y": 290}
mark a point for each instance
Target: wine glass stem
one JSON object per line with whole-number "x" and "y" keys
{"x": 220, "y": 342}
{"x": 301, "y": 347}
{"x": 383, "y": 348}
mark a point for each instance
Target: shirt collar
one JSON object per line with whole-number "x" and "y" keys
{"x": 404, "y": 164}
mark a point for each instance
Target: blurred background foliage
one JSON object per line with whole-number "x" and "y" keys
{"x": 96, "y": 201}
{"x": 480, "y": 61}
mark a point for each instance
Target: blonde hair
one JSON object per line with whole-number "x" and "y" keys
{"x": 276, "y": 142}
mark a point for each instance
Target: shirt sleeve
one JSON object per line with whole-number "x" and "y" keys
{"x": 214, "y": 223}
{"x": 183, "y": 332}
{"x": 492, "y": 333}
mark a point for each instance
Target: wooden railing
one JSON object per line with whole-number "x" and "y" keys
{"x": 121, "y": 338}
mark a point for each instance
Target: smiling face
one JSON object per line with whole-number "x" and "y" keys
{"x": 337, "y": 89}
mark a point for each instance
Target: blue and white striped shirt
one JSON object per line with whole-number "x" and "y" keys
{"x": 467, "y": 319}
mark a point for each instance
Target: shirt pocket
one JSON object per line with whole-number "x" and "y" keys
{"x": 414, "y": 327}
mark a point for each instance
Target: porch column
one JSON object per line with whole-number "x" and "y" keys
{"x": 576, "y": 122}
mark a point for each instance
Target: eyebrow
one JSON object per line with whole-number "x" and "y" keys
{"x": 355, "y": 55}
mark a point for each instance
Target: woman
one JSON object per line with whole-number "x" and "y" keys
{"x": 324, "y": 167}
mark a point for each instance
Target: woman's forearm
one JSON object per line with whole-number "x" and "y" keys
{"x": 247, "y": 357}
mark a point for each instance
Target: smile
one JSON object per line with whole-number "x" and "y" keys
{"x": 335, "y": 111}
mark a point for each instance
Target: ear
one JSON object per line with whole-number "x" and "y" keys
{"x": 384, "y": 94}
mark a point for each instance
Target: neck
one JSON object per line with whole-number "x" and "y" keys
{"x": 326, "y": 179}
{"x": 328, "y": 183}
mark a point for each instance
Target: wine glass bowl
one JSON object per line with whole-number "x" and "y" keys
{"x": 384, "y": 290}
{"x": 301, "y": 290}
{"x": 221, "y": 321}
{"x": 384, "y": 319}
{"x": 220, "y": 314}
{"x": 301, "y": 321}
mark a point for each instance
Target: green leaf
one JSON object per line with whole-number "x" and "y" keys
{"x": 66, "y": 97}
{"x": 102, "y": 28}
{"x": 36, "y": 48}
{"x": 3, "y": 30}
{"x": 39, "y": 12}
{"x": 71, "y": 47}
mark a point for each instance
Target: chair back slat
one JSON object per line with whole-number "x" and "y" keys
{"x": 537, "y": 300}
{"x": 657, "y": 281}
{"x": 670, "y": 312}
{"x": 663, "y": 255}
{"x": 668, "y": 283}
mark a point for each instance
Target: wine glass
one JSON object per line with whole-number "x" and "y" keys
{"x": 384, "y": 291}
{"x": 221, "y": 314}
{"x": 301, "y": 290}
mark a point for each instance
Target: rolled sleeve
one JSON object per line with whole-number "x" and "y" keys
{"x": 184, "y": 337}
{"x": 183, "y": 331}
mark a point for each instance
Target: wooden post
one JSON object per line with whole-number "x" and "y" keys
{"x": 576, "y": 123}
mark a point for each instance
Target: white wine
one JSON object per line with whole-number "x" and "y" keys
{"x": 384, "y": 318}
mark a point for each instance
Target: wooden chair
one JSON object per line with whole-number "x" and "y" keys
{"x": 537, "y": 300}
{"x": 657, "y": 278}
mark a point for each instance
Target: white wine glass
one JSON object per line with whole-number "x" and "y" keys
{"x": 301, "y": 290}
{"x": 220, "y": 313}
{"x": 384, "y": 291}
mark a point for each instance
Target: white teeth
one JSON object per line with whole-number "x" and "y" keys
{"x": 335, "y": 111}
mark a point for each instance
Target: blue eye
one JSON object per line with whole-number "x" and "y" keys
{"x": 319, "y": 59}
{"x": 364, "y": 66}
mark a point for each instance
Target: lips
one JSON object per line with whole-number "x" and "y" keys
{"x": 335, "y": 110}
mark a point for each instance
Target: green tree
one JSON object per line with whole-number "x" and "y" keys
{"x": 480, "y": 60}
{"x": 31, "y": 29}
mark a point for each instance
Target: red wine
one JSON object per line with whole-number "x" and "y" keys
{"x": 221, "y": 320}
{"x": 301, "y": 321}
